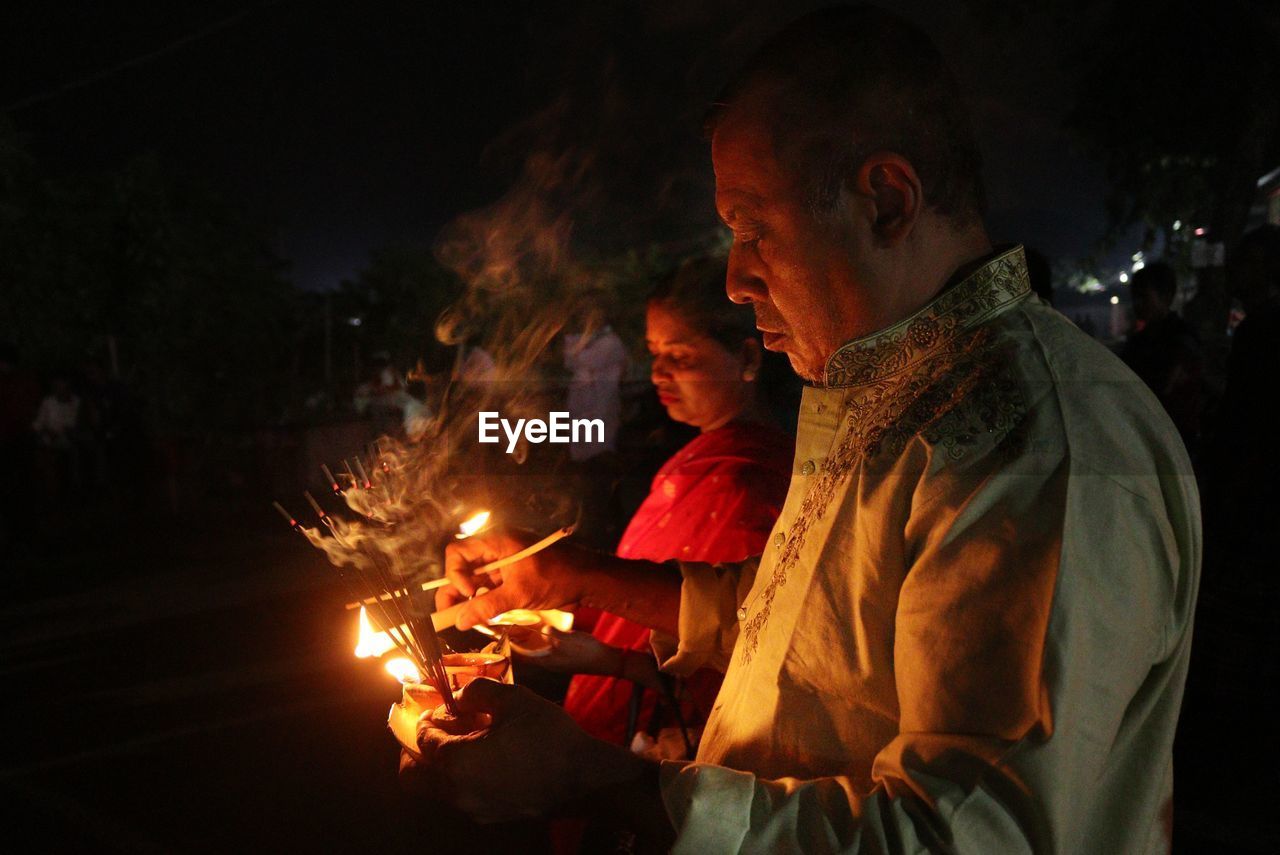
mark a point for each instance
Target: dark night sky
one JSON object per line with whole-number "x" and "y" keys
{"x": 346, "y": 126}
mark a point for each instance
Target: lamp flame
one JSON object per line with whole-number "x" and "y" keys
{"x": 472, "y": 524}
{"x": 403, "y": 670}
{"x": 562, "y": 621}
{"x": 371, "y": 643}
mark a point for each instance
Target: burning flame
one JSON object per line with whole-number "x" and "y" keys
{"x": 403, "y": 670}
{"x": 371, "y": 642}
{"x": 516, "y": 617}
{"x": 472, "y": 525}
{"x": 562, "y": 621}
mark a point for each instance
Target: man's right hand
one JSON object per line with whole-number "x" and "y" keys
{"x": 549, "y": 579}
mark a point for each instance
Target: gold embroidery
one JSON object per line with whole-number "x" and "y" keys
{"x": 957, "y": 387}
{"x": 983, "y": 294}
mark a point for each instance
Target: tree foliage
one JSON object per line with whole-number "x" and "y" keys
{"x": 190, "y": 297}
{"x": 1180, "y": 101}
{"x": 397, "y": 298}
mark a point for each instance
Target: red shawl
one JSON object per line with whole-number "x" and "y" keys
{"x": 715, "y": 500}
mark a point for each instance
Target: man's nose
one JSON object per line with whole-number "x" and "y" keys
{"x": 742, "y": 284}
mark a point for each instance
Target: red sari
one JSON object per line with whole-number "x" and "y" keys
{"x": 715, "y": 500}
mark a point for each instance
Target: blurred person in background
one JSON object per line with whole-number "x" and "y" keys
{"x": 58, "y": 417}
{"x": 1245, "y": 475}
{"x": 381, "y": 395}
{"x": 1164, "y": 351}
{"x": 19, "y": 400}
{"x": 596, "y": 360}
{"x": 1237, "y": 670}
{"x": 57, "y": 428}
{"x": 418, "y": 413}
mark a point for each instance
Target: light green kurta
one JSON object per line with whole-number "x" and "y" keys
{"x": 971, "y": 629}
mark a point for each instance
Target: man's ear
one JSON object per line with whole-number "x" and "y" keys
{"x": 891, "y": 183}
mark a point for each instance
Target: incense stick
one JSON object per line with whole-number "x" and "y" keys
{"x": 433, "y": 658}
{"x": 288, "y": 517}
{"x": 401, "y": 639}
{"x": 411, "y": 630}
{"x": 333, "y": 482}
{"x": 528, "y": 551}
{"x": 532, "y": 549}
{"x": 364, "y": 476}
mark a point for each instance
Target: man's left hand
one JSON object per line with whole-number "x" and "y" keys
{"x": 530, "y": 761}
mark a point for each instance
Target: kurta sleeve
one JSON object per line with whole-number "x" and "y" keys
{"x": 1007, "y": 634}
{"x": 708, "y": 624}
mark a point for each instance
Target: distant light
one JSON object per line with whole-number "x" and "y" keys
{"x": 1124, "y": 277}
{"x": 1137, "y": 256}
{"x": 1115, "y": 301}
{"x": 355, "y": 322}
{"x": 1137, "y": 265}
{"x": 1199, "y": 232}
{"x": 1177, "y": 224}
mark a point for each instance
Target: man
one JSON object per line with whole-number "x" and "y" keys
{"x": 970, "y": 629}
{"x": 1163, "y": 349}
{"x": 597, "y": 362}
{"x": 1237, "y": 669}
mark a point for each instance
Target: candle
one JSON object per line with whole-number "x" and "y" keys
{"x": 418, "y": 699}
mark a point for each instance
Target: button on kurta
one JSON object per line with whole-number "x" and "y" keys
{"x": 808, "y": 468}
{"x": 779, "y": 539}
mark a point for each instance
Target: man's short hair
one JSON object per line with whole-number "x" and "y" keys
{"x": 855, "y": 80}
{"x": 1157, "y": 278}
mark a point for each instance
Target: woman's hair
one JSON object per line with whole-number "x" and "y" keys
{"x": 695, "y": 292}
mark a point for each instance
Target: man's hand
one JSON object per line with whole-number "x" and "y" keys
{"x": 548, "y": 579}
{"x": 531, "y": 760}
{"x": 580, "y": 653}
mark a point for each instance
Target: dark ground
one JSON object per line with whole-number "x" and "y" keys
{"x": 194, "y": 693}
{"x": 190, "y": 686}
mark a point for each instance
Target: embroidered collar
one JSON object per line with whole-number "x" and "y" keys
{"x": 980, "y": 296}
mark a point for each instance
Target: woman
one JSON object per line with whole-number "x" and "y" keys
{"x": 715, "y": 500}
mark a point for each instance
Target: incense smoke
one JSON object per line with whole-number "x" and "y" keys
{"x": 613, "y": 188}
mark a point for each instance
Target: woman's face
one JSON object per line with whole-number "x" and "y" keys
{"x": 698, "y": 380}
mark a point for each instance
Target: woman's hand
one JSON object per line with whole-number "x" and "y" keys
{"x": 581, "y": 653}
{"x": 560, "y": 575}
{"x": 549, "y": 579}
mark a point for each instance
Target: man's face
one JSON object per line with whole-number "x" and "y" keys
{"x": 798, "y": 274}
